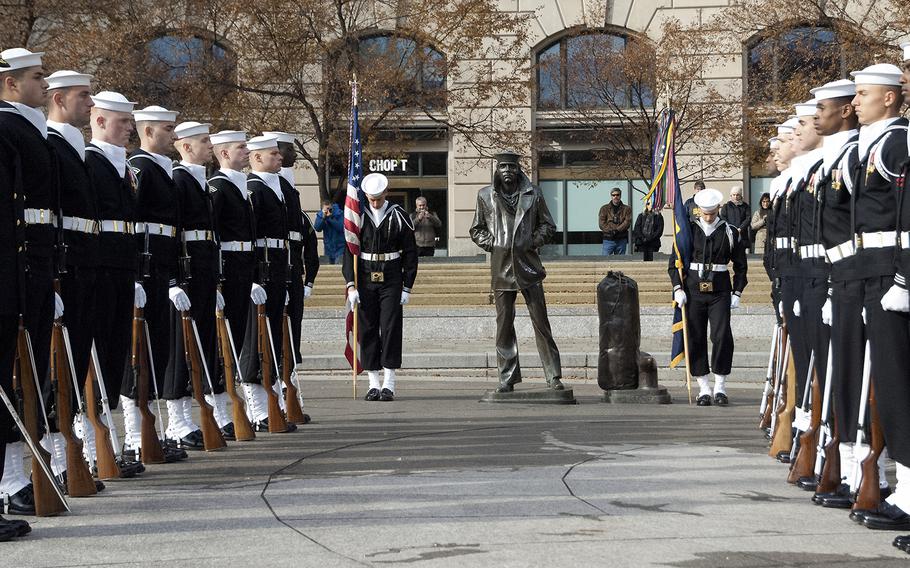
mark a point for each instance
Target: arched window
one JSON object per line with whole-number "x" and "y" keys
{"x": 409, "y": 74}
{"x": 782, "y": 64}
{"x": 177, "y": 65}
{"x": 594, "y": 69}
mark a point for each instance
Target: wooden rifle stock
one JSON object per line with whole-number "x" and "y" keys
{"x": 830, "y": 478}
{"x": 804, "y": 464}
{"x": 47, "y": 503}
{"x": 211, "y": 433}
{"x": 151, "y": 450}
{"x": 277, "y": 422}
{"x": 782, "y": 441}
{"x": 105, "y": 458}
{"x": 243, "y": 430}
{"x": 79, "y": 482}
{"x": 770, "y": 381}
{"x": 288, "y": 366}
{"x": 868, "y": 495}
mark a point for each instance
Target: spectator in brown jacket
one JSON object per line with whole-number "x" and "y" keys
{"x": 426, "y": 227}
{"x": 615, "y": 218}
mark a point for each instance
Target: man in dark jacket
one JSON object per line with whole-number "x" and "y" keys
{"x": 738, "y": 214}
{"x": 512, "y": 222}
{"x": 614, "y": 219}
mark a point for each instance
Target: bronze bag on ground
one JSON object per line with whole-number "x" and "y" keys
{"x": 620, "y": 332}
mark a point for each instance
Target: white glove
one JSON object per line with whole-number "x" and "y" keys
{"x": 780, "y": 308}
{"x": 679, "y": 297}
{"x": 734, "y": 301}
{"x": 58, "y": 306}
{"x": 219, "y": 301}
{"x": 353, "y": 298}
{"x": 796, "y": 308}
{"x": 179, "y": 298}
{"x": 405, "y": 297}
{"x": 257, "y": 294}
{"x": 827, "y": 314}
{"x": 139, "y": 299}
{"x": 896, "y": 299}
{"x": 307, "y": 292}
{"x": 287, "y": 298}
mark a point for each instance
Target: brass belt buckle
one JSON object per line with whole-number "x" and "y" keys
{"x": 706, "y": 286}
{"x": 377, "y": 277}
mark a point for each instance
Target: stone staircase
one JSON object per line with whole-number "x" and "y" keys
{"x": 569, "y": 282}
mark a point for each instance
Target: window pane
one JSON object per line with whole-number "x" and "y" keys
{"x": 552, "y": 194}
{"x": 435, "y": 163}
{"x": 549, "y": 159}
{"x": 585, "y": 198}
{"x": 595, "y": 77}
{"x": 549, "y": 77}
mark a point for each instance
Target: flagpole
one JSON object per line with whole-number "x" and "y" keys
{"x": 356, "y": 306}
{"x": 685, "y": 327}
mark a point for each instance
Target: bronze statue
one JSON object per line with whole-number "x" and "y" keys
{"x": 512, "y": 222}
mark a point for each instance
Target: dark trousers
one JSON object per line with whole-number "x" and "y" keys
{"x": 9, "y": 329}
{"x": 158, "y": 319}
{"x": 889, "y": 338}
{"x": 239, "y": 269}
{"x": 295, "y": 308}
{"x": 39, "y": 320}
{"x": 381, "y": 317}
{"x": 791, "y": 290}
{"x": 507, "y": 342}
{"x": 201, "y": 289}
{"x": 848, "y": 339}
{"x": 275, "y": 289}
{"x": 114, "y": 300}
{"x": 815, "y": 293}
{"x": 704, "y": 309}
{"x": 77, "y": 288}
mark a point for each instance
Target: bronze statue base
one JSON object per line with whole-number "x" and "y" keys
{"x": 644, "y": 395}
{"x": 540, "y": 395}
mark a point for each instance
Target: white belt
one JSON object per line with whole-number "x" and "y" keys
{"x": 295, "y": 236}
{"x": 197, "y": 235}
{"x": 40, "y": 217}
{"x": 381, "y": 257}
{"x": 714, "y": 268}
{"x": 80, "y": 225}
{"x": 840, "y": 251}
{"x": 812, "y": 251}
{"x": 116, "y": 226}
{"x": 905, "y": 240}
{"x": 270, "y": 243}
{"x": 879, "y": 239}
{"x": 237, "y": 246}
{"x": 156, "y": 229}
{"x": 782, "y": 242}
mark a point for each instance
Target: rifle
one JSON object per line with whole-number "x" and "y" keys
{"x": 826, "y": 432}
{"x": 782, "y": 441}
{"x": 767, "y": 397}
{"x": 49, "y": 499}
{"x": 243, "y": 430}
{"x": 211, "y": 433}
{"x": 861, "y": 448}
{"x": 780, "y": 378}
{"x": 802, "y": 419}
{"x": 151, "y": 450}
{"x": 804, "y": 464}
{"x": 277, "y": 422}
{"x": 868, "y": 493}
{"x": 79, "y": 482}
{"x": 105, "y": 438}
{"x": 288, "y": 368}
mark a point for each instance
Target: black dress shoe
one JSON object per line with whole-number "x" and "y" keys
{"x": 901, "y": 541}
{"x": 508, "y": 387}
{"x": 372, "y": 394}
{"x": 556, "y": 384}
{"x": 720, "y": 399}
{"x": 227, "y": 431}
{"x": 7, "y": 533}
{"x": 20, "y": 527}
{"x": 783, "y": 456}
{"x": 192, "y": 441}
{"x": 263, "y": 426}
{"x": 129, "y": 460}
{"x": 385, "y": 395}
{"x": 21, "y": 503}
{"x": 703, "y": 400}
{"x": 807, "y": 483}
{"x": 887, "y": 517}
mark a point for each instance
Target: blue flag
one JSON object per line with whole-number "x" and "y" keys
{"x": 682, "y": 239}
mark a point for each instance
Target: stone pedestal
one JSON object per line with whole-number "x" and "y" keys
{"x": 531, "y": 396}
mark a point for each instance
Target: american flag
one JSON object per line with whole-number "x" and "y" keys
{"x": 353, "y": 216}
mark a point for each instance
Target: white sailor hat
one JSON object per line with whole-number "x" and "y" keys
{"x": 708, "y": 199}
{"x": 835, "y": 90}
{"x": 281, "y": 136}
{"x": 109, "y": 100}
{"x": 374, "y": 184}
{"x": 807, "y": 108}
{"x": 191, "y": 128}
{"x": 262, "y": 143}
{"x": 155, "y": 113}
{"x": 787, "y": 126}
{"x": 63, "y": 79}
{"x": 879, "y": 74}
{"x": 19, "y": 58}
{"x": 773, "y": 142}
{"x": 906, "y": 47}
{"x": 228, "y": 136}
